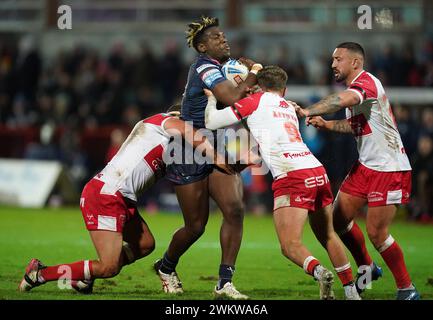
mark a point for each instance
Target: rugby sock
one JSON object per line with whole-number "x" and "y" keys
{"x": 310, "y": 264}
{"x": 225, "y": 275}
{"x": 393, "y": 257}
{"x": 81, "y": 270}
{"x": 168, "y": 265}
{"x": 345, "y": 274}
{"x": 354, "y": 240}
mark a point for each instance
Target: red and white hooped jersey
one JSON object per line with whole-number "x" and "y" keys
{"x": 379, "y": 143}
{"x": 274, "y": 124}
{"x": 138, "y": 163}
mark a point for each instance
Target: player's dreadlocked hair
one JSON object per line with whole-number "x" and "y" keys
{"x": 196, "y": 29}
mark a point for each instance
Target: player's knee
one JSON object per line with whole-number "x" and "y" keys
{"x": 325, "y": 237}
{"x": 196, "y": 229}
{"x": 146, "y": 247}
{"x": 234, "y": 213}
{"x": 290, "y": 248}
{"x": 376, "y": 235}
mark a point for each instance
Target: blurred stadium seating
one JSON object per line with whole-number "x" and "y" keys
{"x": 64, "y": 92}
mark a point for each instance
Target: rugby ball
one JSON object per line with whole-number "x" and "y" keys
{"x": 235, "y": 71}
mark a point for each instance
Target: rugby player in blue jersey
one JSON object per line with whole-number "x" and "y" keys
{"x": 195, "y": 183}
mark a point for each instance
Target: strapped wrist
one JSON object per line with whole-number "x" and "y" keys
{"x": 256, "y": 68}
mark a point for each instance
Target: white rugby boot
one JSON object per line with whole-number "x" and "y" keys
{"x": 326, "y": 280}
{"x": 228, "y": 291}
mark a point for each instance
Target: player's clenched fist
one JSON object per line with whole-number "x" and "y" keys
{"x": 317, "y": 122}
{"x": 301, "y": 112}
{"x": 248, "y": 62}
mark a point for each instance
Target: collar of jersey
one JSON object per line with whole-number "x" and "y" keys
{"x": 362, "y": 71}
{"x": 209, "y": 58}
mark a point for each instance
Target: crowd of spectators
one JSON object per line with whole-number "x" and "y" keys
{"x": 83, "y": 88}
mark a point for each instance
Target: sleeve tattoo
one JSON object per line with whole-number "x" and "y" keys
{"x": 341, "y": 126}
{"x": 330, "y": 104}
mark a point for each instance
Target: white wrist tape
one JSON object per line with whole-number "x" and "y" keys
{"x": 256, "y": 68}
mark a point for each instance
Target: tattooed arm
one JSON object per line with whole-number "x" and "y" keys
{"x": 341, "y": 126}
{"x": 330, "y": 104}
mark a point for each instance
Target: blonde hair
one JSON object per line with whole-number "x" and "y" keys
{"x": 195, "y": 29}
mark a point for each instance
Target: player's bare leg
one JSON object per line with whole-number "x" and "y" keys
{"x": 378, "y": 221}
{"x": 322, "y": 226}
{"x": 138, "y": 242}
{"x": 227, "y": 191}
{"x": 193, "y": 200}
{"x": 112, "y": 253}
{"x": 289, "y": 224}
{"x": 108, "y": 245}
{"x": 346, "y": 208}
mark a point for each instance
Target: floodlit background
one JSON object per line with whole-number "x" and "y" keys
{"x": 68, "y": 98}
{"x": 72, "y": 95}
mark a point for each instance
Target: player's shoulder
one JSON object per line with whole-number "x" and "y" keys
{"x": 252, "y": 98}
{"x": 157, "y": 119}
{"x": 367, "y": 84}
{"x": 204, "y": 62}
{"x": 365, "y": 79}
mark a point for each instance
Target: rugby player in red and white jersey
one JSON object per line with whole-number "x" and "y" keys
{"x": 108, "y": 204}
{"x": 301, "y": 186}
{"x": 381, "y": 177}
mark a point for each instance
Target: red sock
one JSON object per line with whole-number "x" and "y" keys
{"x": 354, "y": 241}
{"x": 81, "y": 270}
{"x": 309, "y": 264}
{"x": 345, "y": 274}
{"x": 393, "y": 256}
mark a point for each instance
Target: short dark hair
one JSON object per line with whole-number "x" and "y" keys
{"x": 352, "y": 46}
{"x": 272, "y": 77}
{"x": 195, "y": 32}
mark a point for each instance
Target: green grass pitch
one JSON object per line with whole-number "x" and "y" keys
{"x": 58, "y": 236}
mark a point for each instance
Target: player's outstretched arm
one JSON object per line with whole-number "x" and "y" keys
{"x": 195, "y": 138}
{"x": 226, "y": 93}
{"x": 214, "y": 118}
{"x": 330, "y": 104}
{"x": 341, "y": 126}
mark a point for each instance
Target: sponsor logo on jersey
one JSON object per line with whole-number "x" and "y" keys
{"x": 283, "y": 104}
{"x": 375, "y": 196}
{"x": 316, "y": 181}
{"x": 90, "y": 219}
{"x": 210, "y": 76}
{"x": 209, "y": 73}
{"x": 154, "y": 158}
{"x": 204, "y": 66}
{"x": 296, "y": 154}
